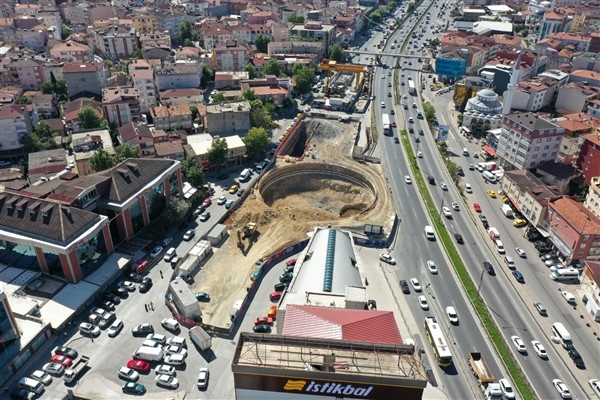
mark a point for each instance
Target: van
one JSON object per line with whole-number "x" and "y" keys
{"x": 465, "y": 152}
{"x": 489, "y": 176}
{"x": 559, "y": 330}
{"x": 494, "y": 234}
{"x": 510, "y": 262}
{"x": 245, "y": 175}
{"x": 32, "y": 385}
{"x": 429, "y": 233}
{"x": 172, "y": 252}
{"x": 499, "y": 246}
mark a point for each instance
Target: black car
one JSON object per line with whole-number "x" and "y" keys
{"x": 483, "y": 218}
{"x": 421, "y": 132}
{"x": 519, "y": 276}
{"x": 417, "y": 140}
{"x": 66, "y": 351}
{"x": 576, "y": 357}
{"x": 286, "y": 277}
{"x": 411, "y": 130}
{"x": 121, "y": 292}
{"x": 135, "y": 277}
{"x": 460, "y": 172}
{"x": 198, "y": 211}
{"x": 145, "y": 286}
{"x": 112, "y": 298}
{"x": 396, "y": 140}
{"x": 107, "y": 305}
{"x": 404, "y": 287}
{"x": 289, "y": 268}
{"x": 21, "y": 394}
{"x": 222, "y": 177}
{"x": 262, "y": 328}
{"x": 241, "y": 192}
{"x": 459, "y": 238}
{"x": 488, "y": 267}
{"x": 431, "y": 180}
{"x": 280, "y": 287}
{"x": 393, "y": 112}
{"x": 142, "y": 330}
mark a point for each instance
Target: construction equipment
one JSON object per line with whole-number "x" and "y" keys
{"x": 358, "y": 70}
{"x": 246, "y": 232}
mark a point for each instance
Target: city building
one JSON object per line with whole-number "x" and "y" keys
{"x": 121, "y": 104}
{"x": 230, "y": 80}
{"x": 173, "y": 117}
{"x": 71, "y": 109}
{"x": 189, "y": 96}
{"x": 115, "y": 42}
{"x": 85, "y": 77}
{"x": 15, "y": 124}
{"x": 231, "y": 56}
{"x": 592, "y": 200}
{"x": 589, "y": 289}
{"x": 527, "y": 140}
{"x": 198, "y": 145}
{"x": 484, "y": 111}
{"x": 534, "y": 94}
{"x": 138, "y": 134}
{"x": 178, "y": 76}
{"x": 29, "y": 72}
{"x": 589, "y": 154}
{"x": 552, "y": 23}
{"x": 574, "y": 97}
{"x": 226, "y": 118}
{"x": 143, "y": 82}
{"x": 314, "y": 31}
{"x": 72, "y": 52}
{"x": 451, "y": 65}
{"x": 591, "y": 78}
{"x": 269, "y": 88}
{"x": 85, "y": 144}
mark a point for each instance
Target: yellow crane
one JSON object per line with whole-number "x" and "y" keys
{"x": 330, "y": 66}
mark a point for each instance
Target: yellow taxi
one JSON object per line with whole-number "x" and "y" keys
{"x": 492, "y": 194}
{"x": 504, "y": 199}
{"x": 519, "y": 223}
{"x": 234, "y": 189}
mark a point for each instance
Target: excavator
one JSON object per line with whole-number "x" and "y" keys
{"x": 246, "y": 232}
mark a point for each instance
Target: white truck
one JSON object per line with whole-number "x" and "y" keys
{"x": 201, "y": 338}
{"x": 507, "y": 211}
{"x": 147, "y": 353}
{"x": 75, "y": 370}
{"x": 190, "y": 265}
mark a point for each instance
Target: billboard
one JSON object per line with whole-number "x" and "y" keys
{"x": 443, "y": 131}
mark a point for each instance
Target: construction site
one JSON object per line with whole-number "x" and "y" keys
{"x": 324, "y": 187}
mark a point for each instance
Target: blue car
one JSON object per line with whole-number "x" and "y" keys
{"x": 229, "y": 203}
{"x": 518, "y": 276}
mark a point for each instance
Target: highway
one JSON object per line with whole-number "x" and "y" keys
{"x": 501, "y": 292}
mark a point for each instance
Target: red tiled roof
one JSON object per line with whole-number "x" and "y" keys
{"x": 340, "y": 323}
{"x": 579, "y": 217}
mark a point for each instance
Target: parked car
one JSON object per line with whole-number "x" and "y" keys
{"x": 263, "y": 328}
{"x": 202, "y": 297}
{"x": 404, "y": 287}
{"x": 167, "y": 381}
{"x": 139, "y": 365}
{"x": 133, "y": 388}
{"x": 203, "y": 377}
{"x": 53, "y": 368}
{"x": 156, "y": 251}
{"x": 387, "y": 258}
{"x": 204, "y": 216}
{"x": 165, "y": 370}
{"x": 189, "y": 234}
{"x": 222, "y": 200}
{"x": 41, "y": 376}
{"x": 128, "y": 374}
{"x": 62, "y": 360}
{"x": 142, "y": 329}
{"x": 87, "y": 329}
{"x": 207, "y": 202}
{"x": 66, "y": 351}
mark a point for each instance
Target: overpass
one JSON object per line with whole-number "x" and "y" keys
{"x": 380, "y": 54}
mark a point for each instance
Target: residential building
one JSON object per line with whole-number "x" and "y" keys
{"x": 29, "y": 71}
{"x": 589, "y": 289}
{"x": 42, "y": 104}
{"x": 46, "y": 163}
{"x": 8, "y": 28}
{"x": 574, "y": 230}
{"x": 588, "y": 77}
{"x": 84, "y": 146}
{"x": 198, "y": 145}
{"x": 527, "y": 140}
{"x": 181, "y": 96}
{"x": 580, "y": 43}
{"x": 589, "y": 61}
{"x": 88, "y": 77}
{"x": 173, "y": 117}
{"x": 144, "y": 24}
{"x": 574, "y": 97}
{"x": 227, "y": 118}
{"x": 154, "y": 39}
{"x": 295, "y": 48}
{"x": 592, "y": 200}
{"x": 169, "y": 20}
{"x": 313, "y": 31}
{"x": 242, "y": 34}
{"x": 121, "y": 104}
{"x": 551, "y": 23}
{"x": 214, "y": 37}
{"x": 10, "y": 94}
{"x": 231, "y": 56}
{"x": 558, "y": 175}
{"x": 34, "y": 38}
{"x": 138, "y": 134}
{"x": 178, "y": 76}
{"x": 269, "y": 87}
{"x": 589, "y": 155}
{"x": 15, "y": 124}
{"x": 72, "y": 52}
{"x": 593, "y": 108}
{"x": 534, "y": 94}
{"x": 230, "y": 80}
{"x": 53, "y": 67}
{"x": 71, "y": 110}
{"x": 143, "y": 82}
{"x": 84, "y": 13}
{"x": 114, "y": 41}
{"x": 172, "y": 150}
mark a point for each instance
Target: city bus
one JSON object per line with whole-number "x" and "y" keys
{"x": 385, "y": 119}
{"x": 438, "y": 342}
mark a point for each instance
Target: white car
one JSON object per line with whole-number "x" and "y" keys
{"x": 127, "y": 374}
{"x": 447, "y": 212}
{"x": 115, "y": 328}
{"x": 387, "y": 258}
{"x": 507, "y": 390}
{"x": 595, "y": 384}
{"x": 468, "y": 188}
{"x": 42, "y": 376}
{"x": 568, "y": 296}
{"x": 98, "y": 311}
{"x": 174, "y": 359}
{"x": 518, "y": 344}
{"x": 561, "y": 388}
{"x": 203, "y": 376}
{"x": 167, "y": 381}
{"x": 455, "y": 206}
{"x": 443, "y": 186}
{"x": 423, "y": 302}
{"x": 161, "y": 339}
{"x": 407, "y": 179}
{"x": 177, "y": 341}
{"x": 221, "y": 200}
{"x": 129, "y": 286}
{"x": 156, "y": 251}
{"x": 521, "y": 253}
{"x": 165, "y": 370}
{"x": 452, "y": 315}
{"x": 85, "y": 328}
{"x": 432, "y": 268}
{"x": 53, "y": 368}
{"x": 170, "y": 324}
{"x": 419, "y": 154}
{"x": 382, "y": 104}
{"x": 171, "y": 350}
{"x": 415, "y": 284}
{"x": 539, "y": 349}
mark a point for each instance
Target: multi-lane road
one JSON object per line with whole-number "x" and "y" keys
{"x": 505, "y": 297}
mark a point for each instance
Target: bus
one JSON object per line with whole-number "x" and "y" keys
{"x": 385, "y": 119}
{"x": 565, "y": 274}
{"x": 438, "y": 342}
{"x": 559, "y": 330}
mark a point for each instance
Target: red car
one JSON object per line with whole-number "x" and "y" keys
{"x": 394, "y": 124}
{"x": 291, "y": 262}
{"x": 62, "y": 360}
{"x": 263, "y": 320}
{"x": 138, "y": 365}
{"x": 275, "y": 296}
{"x": 477, "y": 207}
{"x": 389, "y": 84}
{"x": 207, "y": 202}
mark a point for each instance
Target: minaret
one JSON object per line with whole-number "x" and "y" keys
{"x": 512, "y": 86}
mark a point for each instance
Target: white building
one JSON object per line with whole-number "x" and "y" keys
{"x": 592, "y": 201}
{"x": 15, "y": 124}
{"x": 143, "y": 81}
{"x": 484, "y": 107}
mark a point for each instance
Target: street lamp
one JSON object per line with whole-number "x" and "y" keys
{"x": 480, "y": 280}
{"x": 442, "y": 205}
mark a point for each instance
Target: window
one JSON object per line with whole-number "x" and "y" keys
{"x": 582, "y": 246}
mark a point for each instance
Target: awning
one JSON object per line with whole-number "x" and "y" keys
{"x": 489, "y": 150}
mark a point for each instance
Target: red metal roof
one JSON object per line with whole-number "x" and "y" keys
{"x": 341, "y": 323}
{"x": 489, "y": 150}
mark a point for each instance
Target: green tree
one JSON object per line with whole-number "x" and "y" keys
{"x": 304, "y": 78}
{"x": 111, "y": 66}
{"x": 176, "y": 211}
{"x": 195, "y": 112}
{"x": 391, "y": 5}
{"x": 376, "y": 16}
{"x": 65, "y": 32}
{"x": 411, "y": 7}
{"x": 138, "y": 54}
{"x": 41, "y": 138}
{"x": 47, "y": 88}
{"x": 219, "y": 98}
{"x": 60, "y": 87}
{"x": 429, "y": 112}
{"x": 185, "y": 31}
{"x": 101, "y": 160}
{"x": 435, "y": 42}
{"x": 256, "y": 141}
{"x": 192, "y": 171}
{"x": 262, "y": 43}
{"x": 208, "y": 75}
{"x": 23, "y": 100}
{"x": 124, "y": 151}
{"x": 260, "y": 117}
{"x": 249, "y": 95}
{"x": 90, "y": 119}
{"x": 251, "y": 70}
{"x": 336, "y": 53}
{"x": 217, "y": 153}
{"x": 296, "y": 19}
{"x": 272, "y": 67}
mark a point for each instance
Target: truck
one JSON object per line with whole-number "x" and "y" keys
{"x": 494, "y": 234}
{"x": 487, "y": 166}
{"x": 507, "y": 211}
{"x": 147, "y": 353}
{"x": 385, "y": 121}
{"x": 191, "y": 263}
{"x": 411, "y": 87}
{"x": 75, "y": 370}
{"x": 200, "y": 337}
{"x": 484, "y": 376}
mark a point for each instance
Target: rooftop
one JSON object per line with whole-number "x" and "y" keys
{"x": 531, "y": 121}
{"x": 579, "y": 217}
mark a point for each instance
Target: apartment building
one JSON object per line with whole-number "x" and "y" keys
{"x": 588, "y": 60}
{"x": 534, "y": 94}
{"x": 143, "y": 82}
{"x": 296, "y": 48}
{"x": 178, "y": 76}
{"x": 227, "y": 118}
{"x": 169, "y": 20}
{"x": 87, "y": 77}
{"x": 584, "y": 76}
{"x": 115, "y": 41}
{"x": 8, "y": 27}
{"x": 72, "y": 52}
{"x": 41, "y": 104}
{"x": 552, "y": 23}
{"x": 225, "y": 80}
{"x": 138, "y": 134}
{"x": 189, "y": 96}
{"x": 144, "y": 24}
{"x": 121, "y": 105}
{"x": 589, "y": 155}
{"x": 527, "y": 140}
{"x": 580, "y": 43}
{"x": 15, "y": 124}
{"x": 70, "y": 110}
{"x": 198, "y": 145}
{"x": 574, "y": 97}
{"x": 154, "y": 39}
{"x": 231, "y": 56}
{"x": 313, "y": 31}
{"x": 29, "y": 72}
{"x": 173, "y": 117}
{"x": 592, "y": 200}
{"x": 84, "y": 13}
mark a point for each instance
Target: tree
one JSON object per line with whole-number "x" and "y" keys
{"x": 208, "y": 75}
{"x": 24, "y": 100}
{"x": 296, "y": 19}
{"x": 124, "y": 151}
{"x": 193, "y": 173}
{"x": 101, "y": 160}
{"x": 256, "y": 141}
{"x": 249, "y": 95}
{"x": 65, "y": 32}
{"x": 185, "y": 31}
{"x": 90, "y": 119}
{"x": 138, "y": 54}
{"x": 262, "y": 43}
{"x": 411, "y": 7}
{"x": 219, "y": 98}
{"x": 60, "y": 87}
{"x": 260, "y": 117}
{"x": 177, "y": 210}
{"x": 40, "y": 139}
{"x": 217, "y": 153}
{"x": 195, "y": 112}
{"x": 391, "y": 5}
{"x": 435, "y": 42}
{"x": 336, "y": 53}
{"x": 376, "y": 16}
{"x": 304, "y": 78}
{"x": 272, "y": 67}
{"x": 251, "y": 70}
{"x": 47, "y": 88}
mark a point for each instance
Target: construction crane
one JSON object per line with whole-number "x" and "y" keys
{"x": 246, "y": 232}
{"x": 329, "y": 66}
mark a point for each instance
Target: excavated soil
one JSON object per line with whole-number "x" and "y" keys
{"x": 295, "y": 207}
